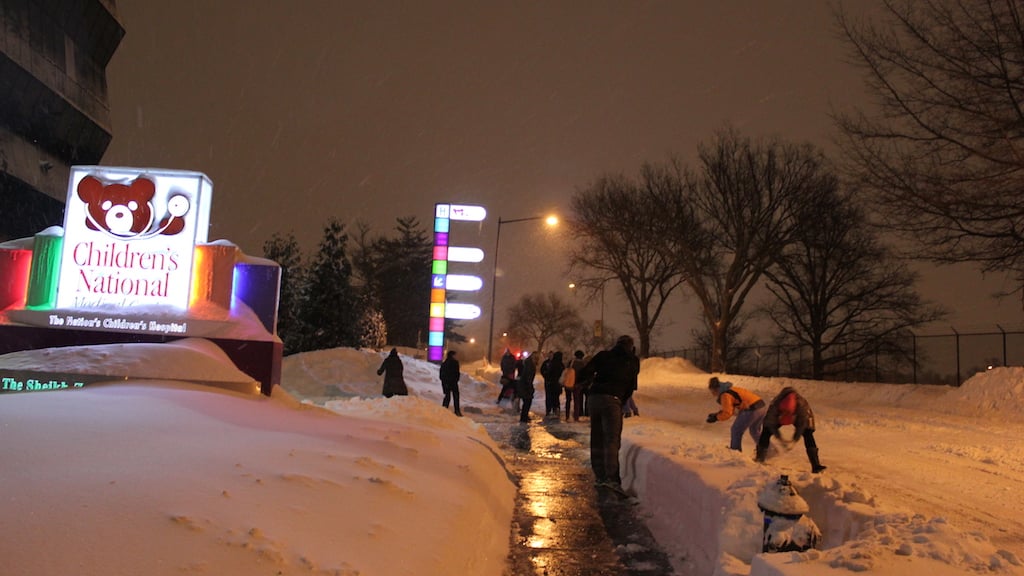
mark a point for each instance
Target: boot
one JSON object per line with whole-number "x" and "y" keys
{"x": 812, "y": 455}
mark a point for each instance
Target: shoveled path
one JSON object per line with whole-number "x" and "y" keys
{"x": 561, "y": 525}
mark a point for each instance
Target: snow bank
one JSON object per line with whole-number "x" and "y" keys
{"x": 166, "y": 477}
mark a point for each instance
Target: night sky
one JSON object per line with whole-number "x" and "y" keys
{"x": 374, "y": 110}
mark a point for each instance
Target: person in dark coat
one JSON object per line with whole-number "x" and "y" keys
{"x": 524, "y": 385}
{"x": 450, "y": 374}
{"x": 394, "y": 379}
{"x": 508, "y": 376}
{"x": 573, "y": 387}
{"x": 508, "y": 364}
{"x": 552, "y": 373}
{"x": 614, "y": 374}
{"x": 790, "y": 408}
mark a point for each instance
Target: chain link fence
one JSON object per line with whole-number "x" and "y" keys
{"x": 917, "y": 358}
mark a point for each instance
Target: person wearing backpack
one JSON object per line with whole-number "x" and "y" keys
{"x": 573, "y": 393}
{"x": 748, "y": 407}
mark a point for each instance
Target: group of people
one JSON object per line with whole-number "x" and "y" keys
{"x": 602, "y": 388}
{"x": 763, "y": 421}
{"x": 517, "y": 384}
{"x": 517, "y": 376}
{"x": 449, "y": 374}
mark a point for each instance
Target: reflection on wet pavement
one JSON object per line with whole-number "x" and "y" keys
{"x": 561, "y": 525}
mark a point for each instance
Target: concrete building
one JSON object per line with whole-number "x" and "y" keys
{"x": 54, "y": 111}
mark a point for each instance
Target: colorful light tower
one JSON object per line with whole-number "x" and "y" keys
{"x": 442, "y": 281}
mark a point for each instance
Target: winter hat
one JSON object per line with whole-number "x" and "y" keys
{"x": 625, "y": 342}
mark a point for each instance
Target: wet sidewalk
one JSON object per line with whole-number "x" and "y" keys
{"x": 562, "y": 525}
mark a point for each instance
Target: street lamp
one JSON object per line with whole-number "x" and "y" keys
{"x": 590, "y": 283}
{"x": 550, "y": 221}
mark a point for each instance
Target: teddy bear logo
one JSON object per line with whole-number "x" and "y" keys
{"x": 126, "y": 211}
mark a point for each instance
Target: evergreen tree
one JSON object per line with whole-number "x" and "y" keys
{"x": 286, "y": 252}
{"x": 332, "y": 310}
{"x": 396, "y": 275}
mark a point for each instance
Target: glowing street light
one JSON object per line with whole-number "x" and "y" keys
{"x": 600, "y": 282}
{"x": 550, "y": 220}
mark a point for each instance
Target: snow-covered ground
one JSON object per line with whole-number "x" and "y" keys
{"x": 161, "y": 477}
{"x": 921, "y": 479}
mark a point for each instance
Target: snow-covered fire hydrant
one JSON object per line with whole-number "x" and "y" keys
{"x": 786, "y": 529}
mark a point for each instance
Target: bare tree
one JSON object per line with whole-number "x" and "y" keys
{"x": 944, "y": 153}
{"x": 616, "y": 242}
{"x": 543, "y": 317}
{"x": 728, "y": 220}
{"x": 841, "y": 293}
{"x": 741, "y": 345}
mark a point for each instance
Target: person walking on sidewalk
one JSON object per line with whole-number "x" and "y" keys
{"x": 394, "y": 379}
{"x": 614, "y": 375}
{"x": 551, "y": 371}
{"x": 450, "y": 373}
{"x": 790, "y": 408}
{"x": 508, "y": 377}
{"x": 748, "y": 407}
{"x": 524, "y": 385}
{"x": 573, "y": 392}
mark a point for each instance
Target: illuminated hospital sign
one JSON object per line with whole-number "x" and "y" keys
{"x": 130, "y": 235}
{"x": 132, "y": 263}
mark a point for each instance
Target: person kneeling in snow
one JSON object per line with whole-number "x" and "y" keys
{"x": 749, "y": 409}
{"x": 790, "y": 408}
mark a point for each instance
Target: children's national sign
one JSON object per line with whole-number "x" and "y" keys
{"x": 130, "y": 235}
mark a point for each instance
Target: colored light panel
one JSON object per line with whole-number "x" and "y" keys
{"x": 435, "y": 353}
{"x": 460, "y": 311}
{"x": 464, "y": 283}
{"x": 44, "y": 274}
{"x": 14, "y": 269}
{"x": 437, "y": 309}
{"x": 467, "y": 212}
{"x": 460, "y": 254}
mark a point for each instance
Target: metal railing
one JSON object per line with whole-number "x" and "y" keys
{"x": 924, "y": 358}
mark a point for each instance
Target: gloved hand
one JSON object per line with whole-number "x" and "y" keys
{"x": 712, "y": 418}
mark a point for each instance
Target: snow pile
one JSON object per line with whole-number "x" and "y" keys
{"x": 189, "y": 359}
{"x": 914, "y": 484}
{"x": 327, "y": 477}
{"x": 162, "y": 478}
{"x": 999, "y": 390}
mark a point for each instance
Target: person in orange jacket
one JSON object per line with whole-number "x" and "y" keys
{"x": 790, "y": 408}
{"x": 748, "y": 407}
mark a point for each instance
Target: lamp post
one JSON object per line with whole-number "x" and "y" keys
{"x": 600, "y": 282}
{"x": 551, "y": 221}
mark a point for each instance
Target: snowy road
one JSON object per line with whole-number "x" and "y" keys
{"x": 966, "y": 469}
